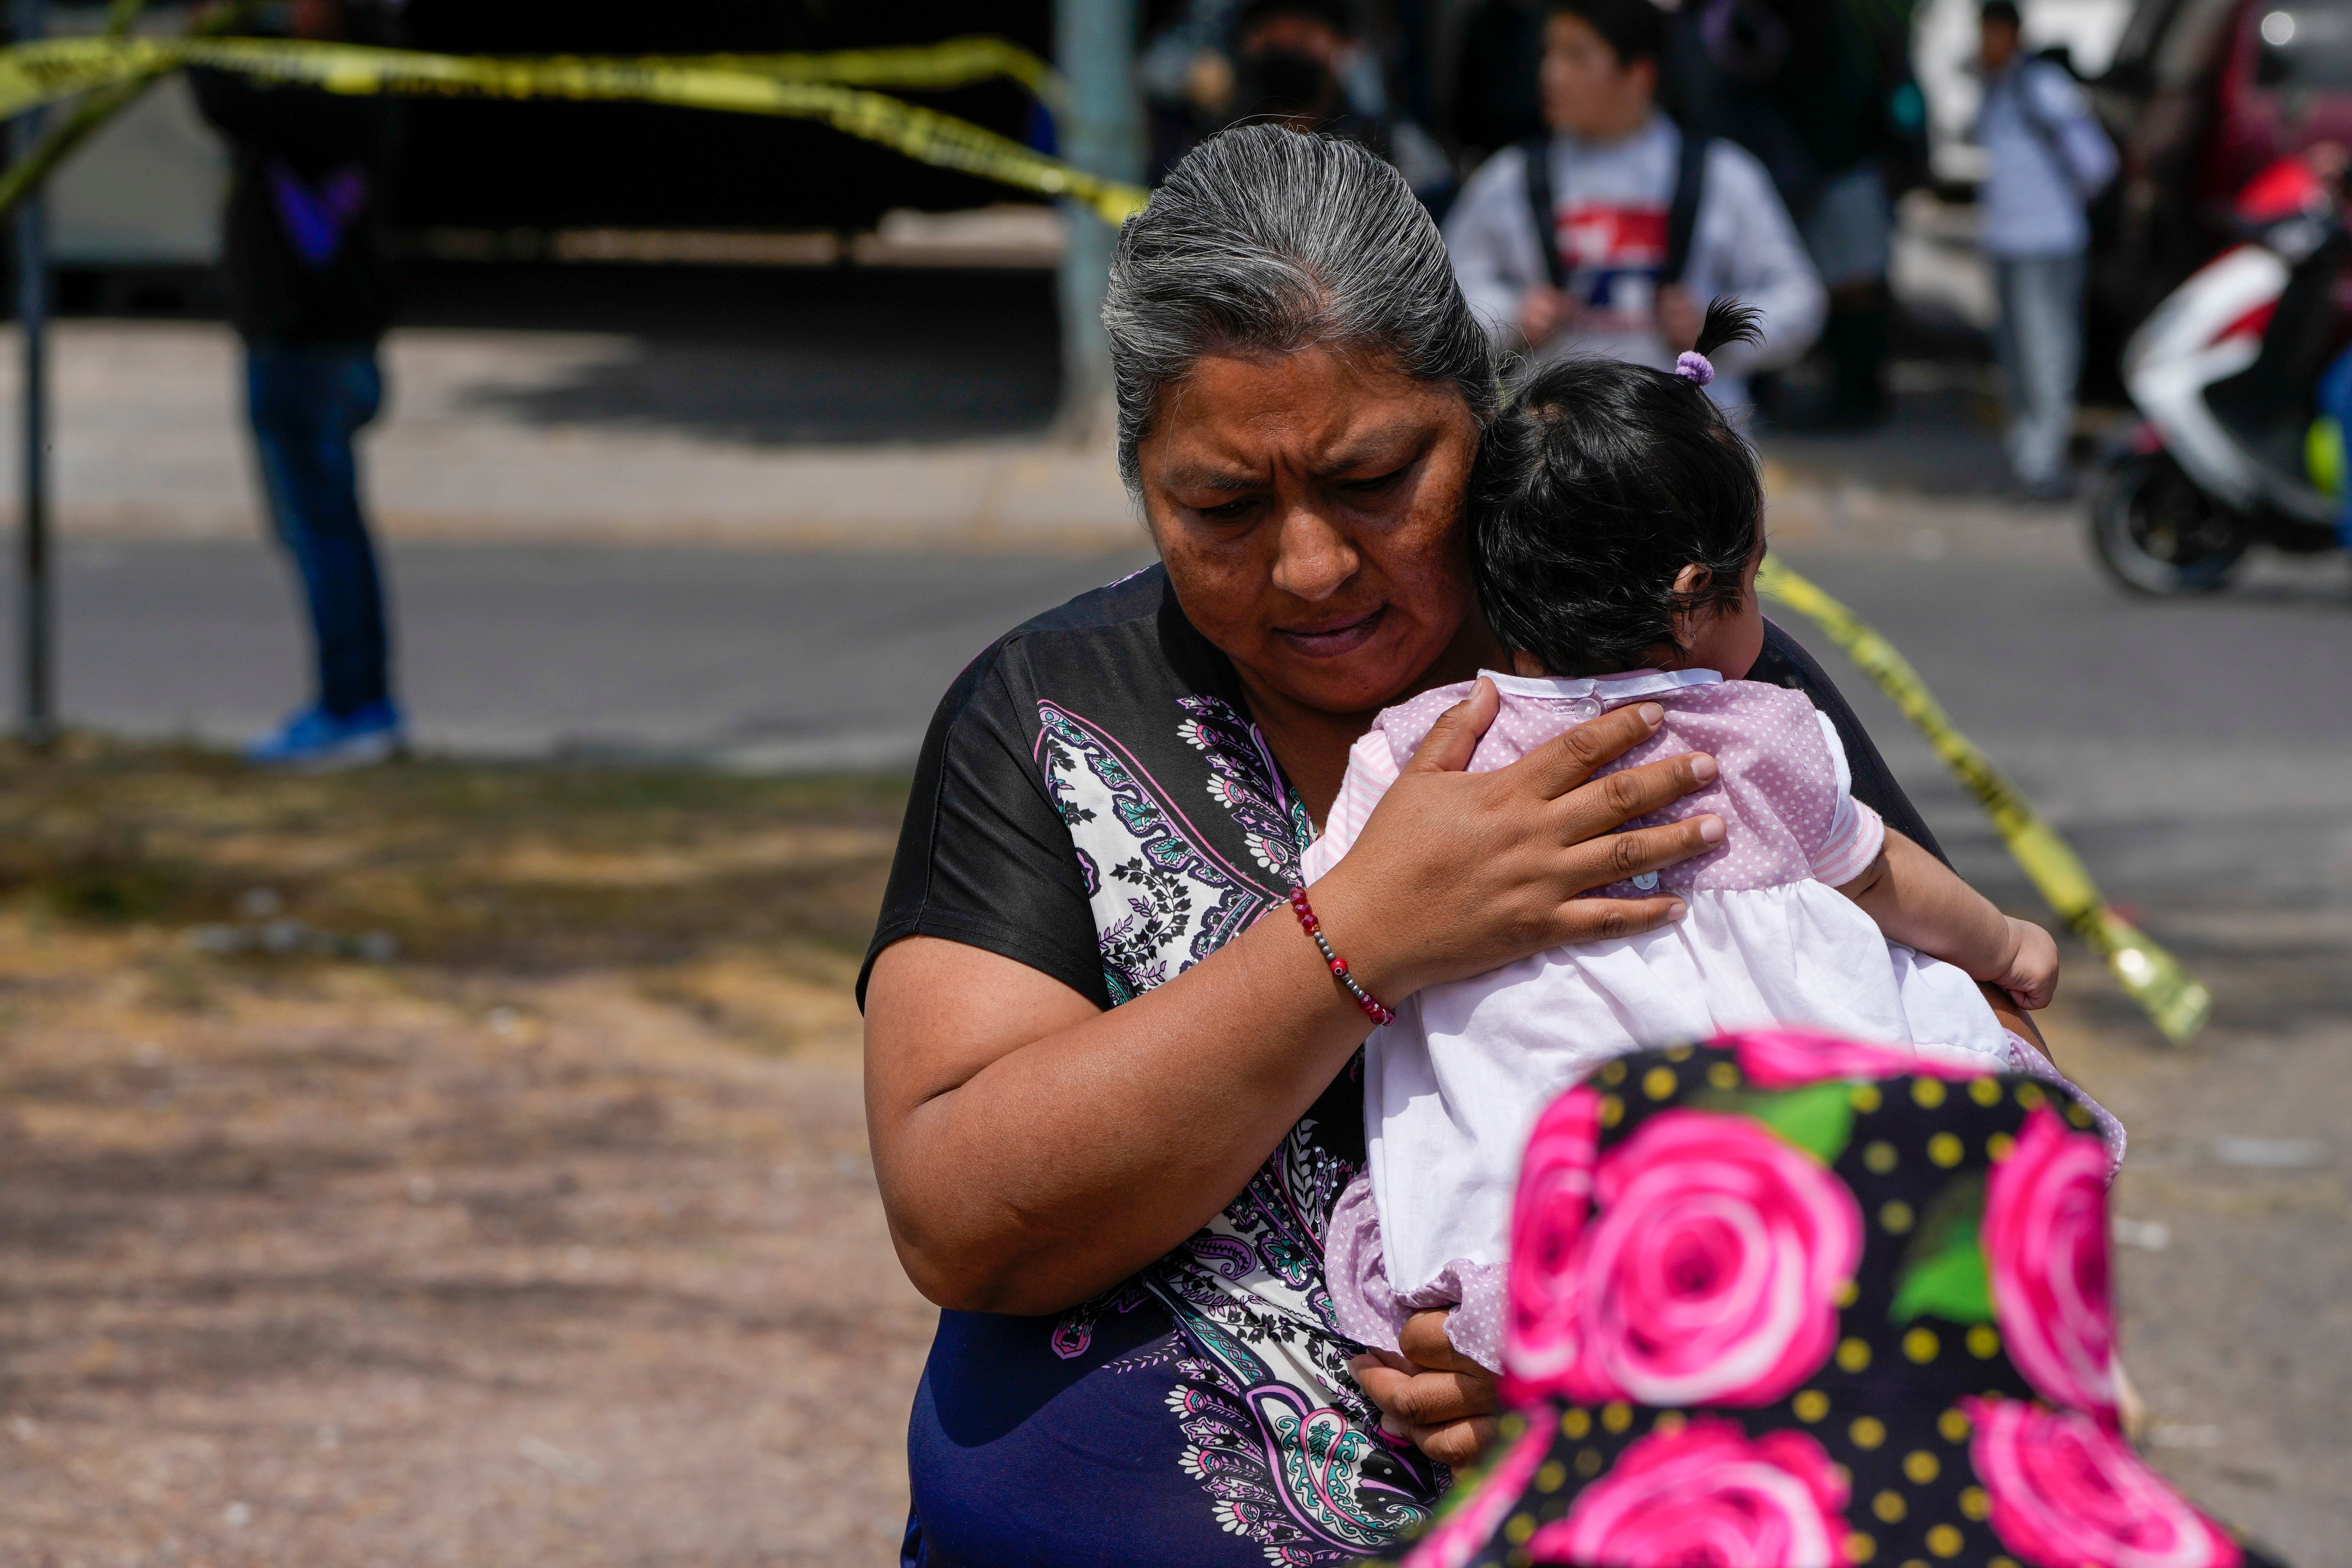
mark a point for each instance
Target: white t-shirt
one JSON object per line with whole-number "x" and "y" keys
{"x": 2048, "y": 158}
{"x": 1612, "y": 201}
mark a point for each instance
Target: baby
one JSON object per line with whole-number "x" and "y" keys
{"x": 1619, "y": 529}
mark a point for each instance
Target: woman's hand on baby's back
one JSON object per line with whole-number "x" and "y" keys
{"x": 1457, "y": 873}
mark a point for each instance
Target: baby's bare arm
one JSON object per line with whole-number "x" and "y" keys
{"x": 1920, "y": 902}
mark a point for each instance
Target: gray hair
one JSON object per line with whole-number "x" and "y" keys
{"x": 1267, "y": 240}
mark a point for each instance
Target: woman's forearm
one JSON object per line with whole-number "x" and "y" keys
{"x": 1027, "y": 1179}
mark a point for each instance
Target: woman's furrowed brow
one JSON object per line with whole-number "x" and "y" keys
{"x": 1202, "y": 476}
{"x": 1392, "y": 447}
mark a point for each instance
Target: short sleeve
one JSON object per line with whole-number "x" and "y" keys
{"x": 984, "y": 858}
{"x": 1372, "y": 768}
{"x": 1856, "y": 835}
{"x": 1785, "y": 662}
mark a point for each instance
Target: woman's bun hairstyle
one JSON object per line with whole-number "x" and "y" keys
{"x": 1596, "y": 486}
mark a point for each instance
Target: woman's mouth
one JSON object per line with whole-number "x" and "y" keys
{"x": 1330, "y": 639}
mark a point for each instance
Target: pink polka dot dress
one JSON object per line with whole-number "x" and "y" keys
{"x": 1451, "y": 1087}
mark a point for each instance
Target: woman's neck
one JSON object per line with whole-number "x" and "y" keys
{"x": 1312, "y": 743}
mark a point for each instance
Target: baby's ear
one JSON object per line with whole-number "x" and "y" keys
{"x": 1526, "y": 663}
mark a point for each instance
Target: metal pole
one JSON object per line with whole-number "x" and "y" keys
{"x": 1101, "y": 132}
{"x": 36, "y": 669}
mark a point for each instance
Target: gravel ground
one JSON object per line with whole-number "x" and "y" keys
{"x": 488, "y": 1256}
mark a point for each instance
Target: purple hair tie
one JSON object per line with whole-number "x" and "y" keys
{"x": 1695, "y": 368}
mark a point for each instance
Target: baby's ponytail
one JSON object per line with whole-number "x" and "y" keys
{"x": 1727, "y": 321}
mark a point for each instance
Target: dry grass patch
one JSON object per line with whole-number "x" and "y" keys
{"x": 493, "y": 1243}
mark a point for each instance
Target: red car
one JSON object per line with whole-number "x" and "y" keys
{"x": 2204, "y": 95}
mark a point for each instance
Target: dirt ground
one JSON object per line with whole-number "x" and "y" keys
{"x": 463, "y": 1164}
{"x": 440, "y": 1165}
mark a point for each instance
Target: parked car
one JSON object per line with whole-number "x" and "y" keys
{"x": 2202, "y": 95}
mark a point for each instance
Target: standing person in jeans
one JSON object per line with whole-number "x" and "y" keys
{"x": 2048, "y": 158}
{"x": 310, "y": 291}
{"x": 1640, "y": 228}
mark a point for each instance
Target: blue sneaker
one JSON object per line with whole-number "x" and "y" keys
{"x": 315, "y": 738}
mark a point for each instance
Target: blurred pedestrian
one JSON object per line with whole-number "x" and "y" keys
{"x": 1301, "y": 63}
{"x": 309, "y": 288}
{"x": 2047, "y": 158}
{"x": 1608, "y": 234}
{"x": 1821, "y": 93}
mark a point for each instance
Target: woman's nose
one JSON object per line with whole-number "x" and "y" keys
{"x": 1313, "y": 559}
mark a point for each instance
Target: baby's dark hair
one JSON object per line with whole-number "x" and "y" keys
{"x": 1596, "y": 486}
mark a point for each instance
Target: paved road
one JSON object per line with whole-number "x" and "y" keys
{"x": 2128, "y": 720}
{"x": 2199, "y": 754}
{"x": 2199, "y": 751}
{"x": 756, "y": 659}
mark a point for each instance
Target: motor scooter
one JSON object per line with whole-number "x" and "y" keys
{"x": 2230, "y": 452}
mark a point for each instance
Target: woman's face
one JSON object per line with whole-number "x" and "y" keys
{"x": 1308, "y": 507}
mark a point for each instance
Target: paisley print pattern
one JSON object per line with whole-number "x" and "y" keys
{"x": 1164, "y": 898}
{"x": 1242, "y": 780}
{"x": 1277, "y": 1433}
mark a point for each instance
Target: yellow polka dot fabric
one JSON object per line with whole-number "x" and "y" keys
{"x": 1899, "y": 1372}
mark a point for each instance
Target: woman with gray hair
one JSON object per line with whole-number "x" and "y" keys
{"x": 1108, "y": 1074}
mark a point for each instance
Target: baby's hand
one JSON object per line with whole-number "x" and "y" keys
{"x": 2031, "y": 975}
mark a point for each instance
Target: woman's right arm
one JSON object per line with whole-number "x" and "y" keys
{"x": 1033, "y": 1150}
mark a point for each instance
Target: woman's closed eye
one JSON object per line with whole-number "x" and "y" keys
{"x": 1379, "y": 484}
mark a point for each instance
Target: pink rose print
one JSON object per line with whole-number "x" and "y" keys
{"x": 1547, "y": 1218}
{"x": 1792, "y": 1058}
{"x": 2045, "y": 1240}
{"x": 1711, "y": 1273}
{"x": 1706, "y": 1496}
{"x": 1455, "y": 1539}
{"x": 2067, "y": 1493}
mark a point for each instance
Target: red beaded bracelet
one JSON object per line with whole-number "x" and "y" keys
{"x": 1364, "y": 998}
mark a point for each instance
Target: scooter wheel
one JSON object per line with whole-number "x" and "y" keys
{"x": 2156, "y": 532}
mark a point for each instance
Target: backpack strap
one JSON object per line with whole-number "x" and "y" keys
{"x": 1682, "y": 214}
{"x": 1681, "y": 217}
{"x": 1536, "y": 153}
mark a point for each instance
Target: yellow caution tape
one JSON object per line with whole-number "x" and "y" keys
{"x": 804, "y": 87}
{"x": 2178, "y": 1003}
{"x": 916, "y": 68}
{"x": 32, "y": 74}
